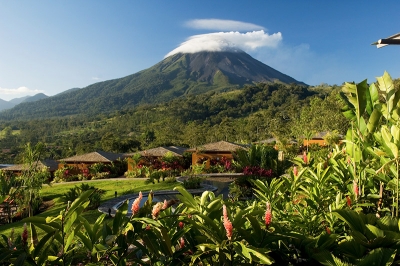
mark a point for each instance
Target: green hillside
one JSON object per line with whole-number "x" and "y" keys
{"x": 249, "y": 114}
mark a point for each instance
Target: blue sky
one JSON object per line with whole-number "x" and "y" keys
{"x": 53, "y": 46}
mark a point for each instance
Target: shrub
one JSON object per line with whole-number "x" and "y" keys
{"x": 192, "y": 182}
{"x": 76, "y": 191}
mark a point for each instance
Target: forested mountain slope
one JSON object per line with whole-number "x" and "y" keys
{"x": 173, "y": 77}
{"x": 253, "y": 113}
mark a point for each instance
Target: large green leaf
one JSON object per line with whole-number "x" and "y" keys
{"x": 326, "y": 258}
{"x": 186, "y": 198}
{"x": 352, "y": 219}
{"x": 379, "y": 256}
{"x": 357, "y": 96}
{"x": 352, "y": 248}
{"x": 71, "y": 219}
{"x": 373, "y": 121}
{"x": 119, "y": 217}
{"x": 259, "y": 255}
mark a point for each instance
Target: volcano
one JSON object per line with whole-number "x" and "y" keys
{"x": 175, "y": 76}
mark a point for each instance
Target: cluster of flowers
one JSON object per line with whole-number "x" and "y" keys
{"x": 223, "y": 161}
{"x": 157, "y": 208}
{"x": 228, "y": 224}
{"x": 161, "y": 165}
{"x": 85, "y": 172}
{"x": 257, "y": 171}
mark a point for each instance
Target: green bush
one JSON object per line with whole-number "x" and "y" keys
{"x": 76, "y": 191}
{"x": 192, "y": 182}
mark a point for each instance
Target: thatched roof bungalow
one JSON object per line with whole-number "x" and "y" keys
{"x": 156, "y": 153}
{"x": 48, "y": 164}
{"x": 85, "y": 160}
{"x": 215, "y": 150}
{"x": 319, "y": 139}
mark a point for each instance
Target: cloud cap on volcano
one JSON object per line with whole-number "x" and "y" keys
{"x": 228, "y": 41}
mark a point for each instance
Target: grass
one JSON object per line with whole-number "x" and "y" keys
{"x": 56, "y": 192}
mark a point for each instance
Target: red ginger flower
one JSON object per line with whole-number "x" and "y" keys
{"x": 268, "y": 215}
{"x": 227, "y": 224}
{"x": 305, "y": 158}
{"x": 136, "y": 204}
{"x": 182, "y": 243}
{"x": 181, "y": 225}
{"x": 348, "y": 201}
{"x": 328, "y": 231}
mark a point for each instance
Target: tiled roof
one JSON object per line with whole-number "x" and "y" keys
{"x": 94, "y": 157}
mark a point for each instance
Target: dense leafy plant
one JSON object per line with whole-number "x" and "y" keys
{"x": 76, "y": 191}
{"x": 192, "y": 182}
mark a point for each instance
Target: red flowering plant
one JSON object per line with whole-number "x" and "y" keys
{"x": 220, "y": 165}
{"x": 222, "y": 233}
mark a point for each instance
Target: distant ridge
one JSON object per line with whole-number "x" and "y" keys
{"x": 175, "y": 76}
{"x": 4, "y": 105}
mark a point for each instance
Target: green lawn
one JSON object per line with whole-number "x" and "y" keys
{"x": 55, "y": 193}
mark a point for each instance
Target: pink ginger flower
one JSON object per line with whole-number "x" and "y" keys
{"x": 355, "y": 188}
{"x": 268, "y": 215}
{"x": 227, "y": 224}
{"x": 182, "y": 243}
{"x": 305, "y": 158}
{"x": 295, "y": 171}
{"x": 165, "y": 205}
{"x": 224, "y": 212}
{"x": 136, "y": 204}
{"x": 156, "y": 210}
{"x": 25, "y": 235}
{"x": 228, "y": 228}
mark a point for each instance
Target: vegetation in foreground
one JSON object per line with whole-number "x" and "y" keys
{"x": 54, "y": 196}
{"x": 339, "y": 209}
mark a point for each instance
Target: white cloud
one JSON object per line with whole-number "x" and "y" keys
{"x": 222, "y": 41}
{"x": 18, "y": 91}
{"x": 96, "y": 78}
{"x": 222, "y": 25}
